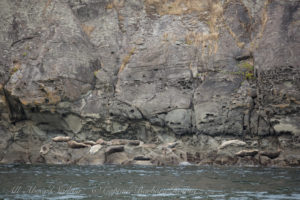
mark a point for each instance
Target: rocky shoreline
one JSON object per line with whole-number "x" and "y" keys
{"x": 160, "y": 82}
{"x": 204, "y": 150}
{"x": 135, "y": 152}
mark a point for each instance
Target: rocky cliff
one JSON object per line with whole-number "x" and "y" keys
{"x": 214, "y": 81}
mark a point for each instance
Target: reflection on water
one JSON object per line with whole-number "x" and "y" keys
{"x": 145, "y": 182}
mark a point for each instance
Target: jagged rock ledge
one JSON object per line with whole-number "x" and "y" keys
{"x": 209, "y": 151}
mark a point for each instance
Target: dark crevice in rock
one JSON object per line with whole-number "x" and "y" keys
{"x": 249, "y": 122}
{"x": 23, "y": 39}
{"x": 13, "y": 33}
{"x": 244, "y": 127}
{"x": 16, "y": 109}
{"x": 141, "y": 158}
{"x": 95, "y": 66}
{"x": 243, "y": 57}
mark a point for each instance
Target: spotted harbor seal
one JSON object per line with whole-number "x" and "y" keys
{"x": 89, "y": 142}
{"x": 101, "y": 141}
{"x": 61, "y": 139}
{"x": 75, "y": 145}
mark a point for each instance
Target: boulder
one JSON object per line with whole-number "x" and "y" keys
{"x": 264, "y": 160}
{"x": 179, "y": 120}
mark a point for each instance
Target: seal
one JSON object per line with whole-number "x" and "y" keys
{"x": 90, "y": 142}
{"x": 76, "y": 145}
{"x": 114, "y": 149}
{"x": 119, "y": 142}
{"x": 271, "y": 154}
{"x": 244, "y": 153}
{"x": 94, "y": 149}
{"x": 61, "y": 139}
{"x": 101, "y": 141}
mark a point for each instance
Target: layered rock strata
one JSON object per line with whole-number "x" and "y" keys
{"x": 194, "y": 73}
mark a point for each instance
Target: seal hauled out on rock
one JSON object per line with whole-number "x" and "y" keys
{"x": 271, "y": 154}
{"x": 89, "y": 142}
{"x": 75, "y": 145}
{"x": 244, "y": 153}
{"x": 94, "y": 149}
{"x": 101, "y": 141}
{"x": 61, "y": 139}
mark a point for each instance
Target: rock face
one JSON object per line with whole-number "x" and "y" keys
{"x": 199, "y": 73}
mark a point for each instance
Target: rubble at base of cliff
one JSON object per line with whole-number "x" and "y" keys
{"x": 224, "y": 151}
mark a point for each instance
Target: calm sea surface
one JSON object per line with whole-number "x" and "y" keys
{"x": 145, "y": 182}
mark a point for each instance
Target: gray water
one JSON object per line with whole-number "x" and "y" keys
{"x": 147, "y": 182}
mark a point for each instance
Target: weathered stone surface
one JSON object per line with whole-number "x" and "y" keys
{"x": 74, "y": 123}
{"x": 225, "y": 160}
{"x": 290, "y": 125}
{"x": 179, "y": 120}
{"x": 6, "y": 137}
{"x": 117, "y": 158}
{"x": 150, "y": 73}
{"x": 264, "y": 160}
